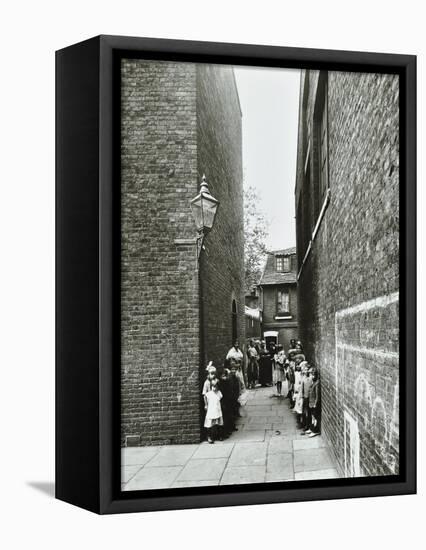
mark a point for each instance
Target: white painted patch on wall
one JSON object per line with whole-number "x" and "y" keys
{"x": 363, "y": 395}
{"x": 380, "y": 301}
{"x": 351, "y": 445}
{"x": 379, "y": 421}
{"x": 394, "y": 424}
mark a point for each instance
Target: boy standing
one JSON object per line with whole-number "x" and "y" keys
{"x": 305, "y": 389}
{"x": 315, "y": 405}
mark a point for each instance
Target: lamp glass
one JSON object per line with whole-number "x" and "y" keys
{"x": 204, "y": 208}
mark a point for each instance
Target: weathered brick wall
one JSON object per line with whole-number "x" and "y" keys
{"x": 348, "y": 287}
{"x": 159, "y": 319}
{"x": 179, "y": 120}
{"x": 220, "y": 159}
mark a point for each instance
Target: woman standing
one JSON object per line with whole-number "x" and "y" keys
{"x": 265, "y": 366}
{"x": 253, "y": 367}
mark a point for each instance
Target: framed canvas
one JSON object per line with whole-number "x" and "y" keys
{"x": 235, "y": 274}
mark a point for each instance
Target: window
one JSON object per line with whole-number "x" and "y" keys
{"x": 283, "y": 301}
{"x": 283, "y": 263}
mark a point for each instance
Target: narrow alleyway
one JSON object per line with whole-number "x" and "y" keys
{"x": 266, "y": 447}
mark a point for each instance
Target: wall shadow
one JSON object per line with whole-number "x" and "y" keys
{"x": 46, "y": 487}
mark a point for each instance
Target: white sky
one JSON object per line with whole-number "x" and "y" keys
{"x": 270, "y": 104}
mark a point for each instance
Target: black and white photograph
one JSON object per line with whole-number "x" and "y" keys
{"x": 212, "y": 275}
{"x": 259, "y": 274}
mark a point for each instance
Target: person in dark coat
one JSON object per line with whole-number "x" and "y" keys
{"x": 315, "y": 405}
{"x": 234, "y": 395}
{"x": 290, "y": 379}
{"x": 227, "y": 402}
{"x": 265, "y": 366}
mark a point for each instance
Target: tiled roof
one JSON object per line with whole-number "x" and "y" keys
{"x": 271, "y": 276}
{"x": 284, "y": 251}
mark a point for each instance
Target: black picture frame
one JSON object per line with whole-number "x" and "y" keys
{"x": 87, "y": 274}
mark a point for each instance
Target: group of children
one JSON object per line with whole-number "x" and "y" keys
{"x": 221, "y": 393}
{"x": 303, "y": 387}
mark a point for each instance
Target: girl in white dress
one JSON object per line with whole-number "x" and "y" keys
{"x": 213, "y": 411}
{"x": 301, "y": 368}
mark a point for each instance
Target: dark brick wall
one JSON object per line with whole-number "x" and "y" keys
{"x": 220, "y": 158}
{"x": 348, "y": 287}
{"x": 171, "y": 134}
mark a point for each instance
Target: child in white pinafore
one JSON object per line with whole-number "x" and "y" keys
{"x": 211, "y": 374}
{"x": 214, "y": 418}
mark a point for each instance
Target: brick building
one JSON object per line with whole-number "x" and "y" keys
{"x": 278, "y": 297}
{"x": 347, "y": 212}
{"x": 179, "y": 121}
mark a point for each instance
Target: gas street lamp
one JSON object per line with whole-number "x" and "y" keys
{"x": 204, "y": 207}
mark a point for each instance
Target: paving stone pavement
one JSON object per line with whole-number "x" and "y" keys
{"x": 266, "y": 447}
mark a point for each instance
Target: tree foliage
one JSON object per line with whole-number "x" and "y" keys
{"x": 255, "y": 235}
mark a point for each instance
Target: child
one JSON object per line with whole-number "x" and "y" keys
{"x": 290, "y": 375}
{"x": 211, "y": 374}
{"x": 279, "y": 374}
{"x": 315, "y": 405}
{"x": 304, "y": 390}
{"x": 297, "y": 395}
{"x": 226, "y": 403}
{"x": 213, "y": 410}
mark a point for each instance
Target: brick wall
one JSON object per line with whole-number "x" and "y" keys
{"x": 173, "y": 130}
{"x": 220, "y": 158}
{"x": 159, "y": 286}
{"x": 348, "y": 287}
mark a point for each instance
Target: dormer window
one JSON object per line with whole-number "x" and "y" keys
{"x": 283, "y": 263}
